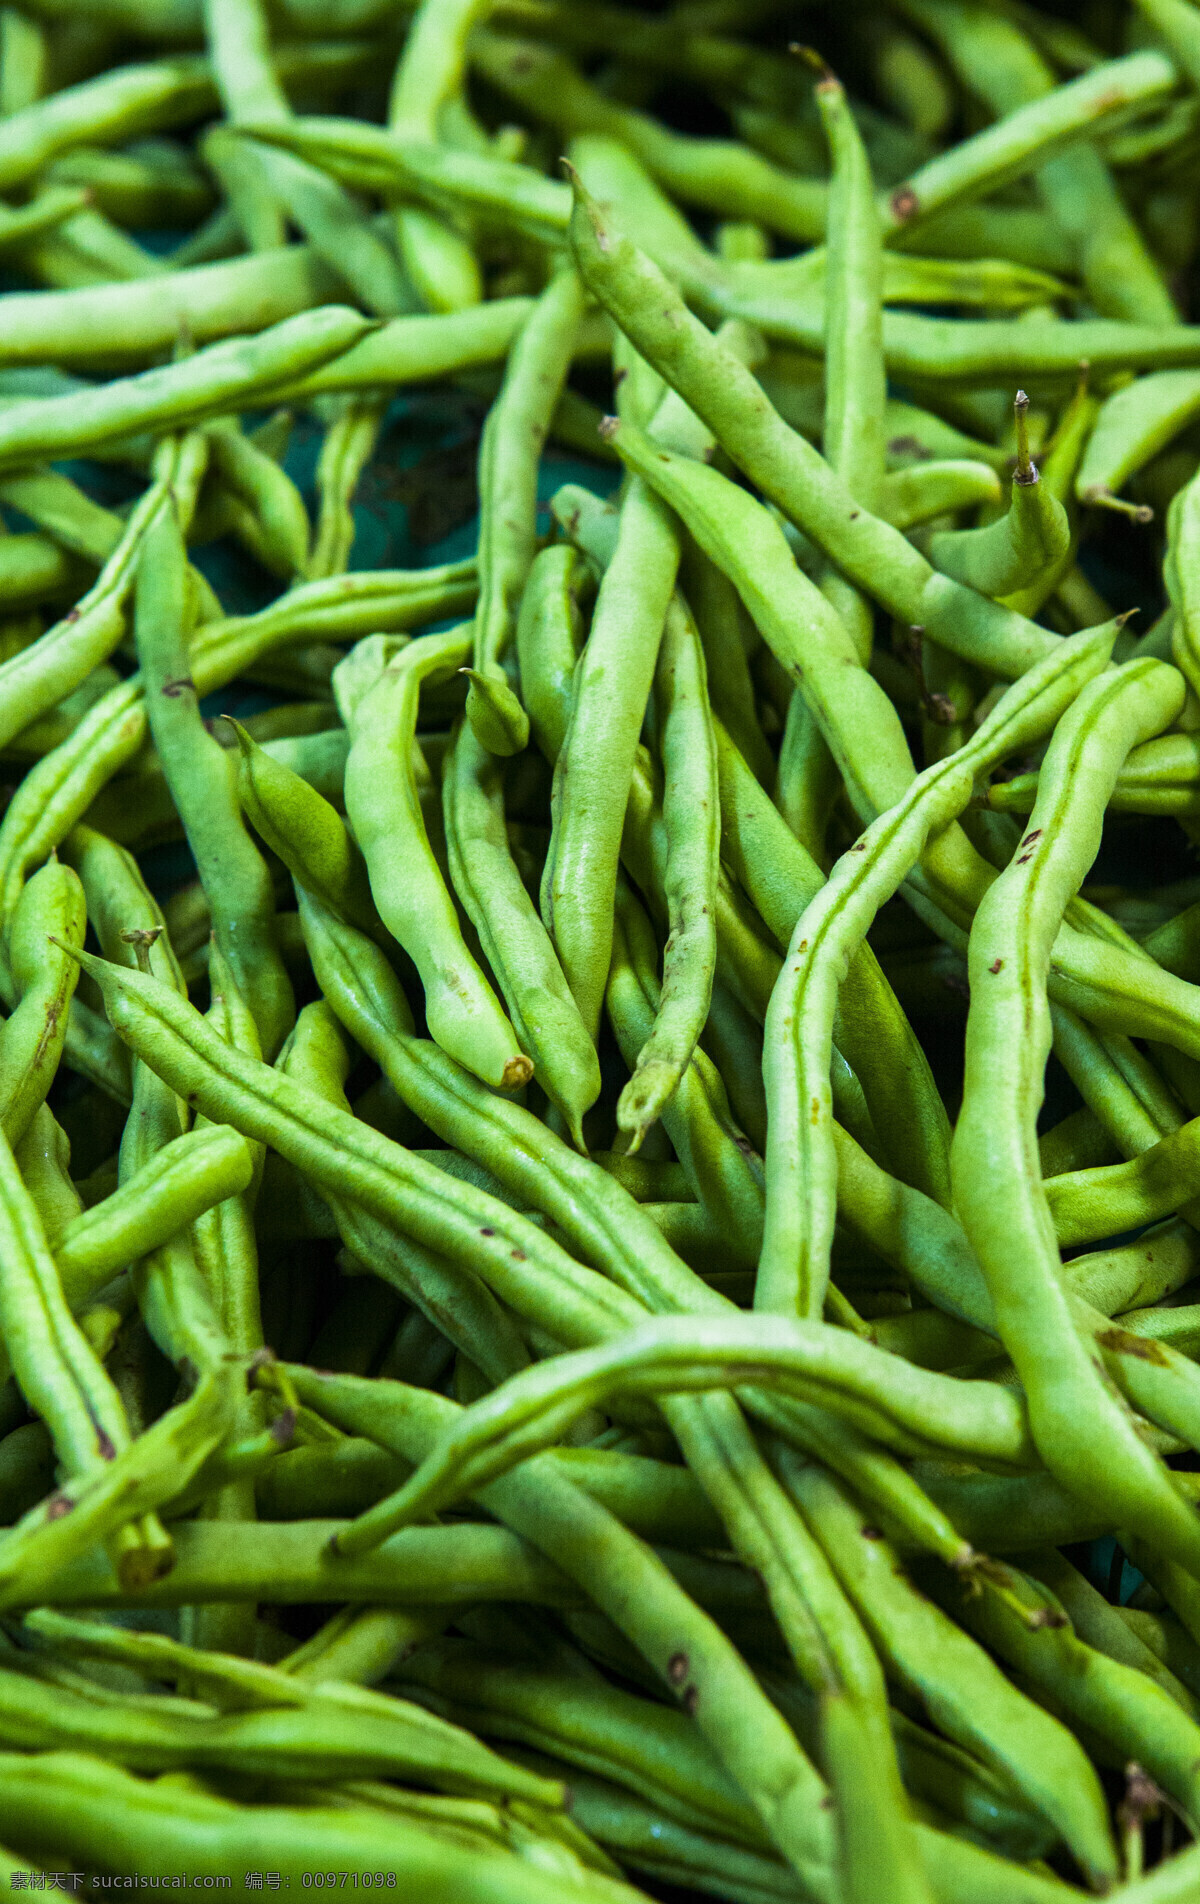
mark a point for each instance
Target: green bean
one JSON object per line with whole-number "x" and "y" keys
{"x": 595, "y": 763}
{"x": 173, "y": 1188}
{"x": 370, "y": 159}
{"x": 384, "y": 809}
{"x": 129, "y": 323}
{"x": 108, "y": 1819}
{"x": 32, "y": 681}
{"x": 231, "y": 870}
{"x": 436, "y": 1210}
{"x": 32, "y": 1038}
{"x": 60, "y": 507}
{"x": 950, "y": 1673}
{"x": 155, "y": 184}
{"x": 356, "y": 1734}
{"x": 779, "y": 876}
{"x": 684, "y": 1648}
{"x": 508, "y": 459}
{"x": 1134, "y": 1718}
{"x": 50, "y": 208}
{"x": 24, "y": 61}
{"x": 612, "y": 1731}
{"x": 515, "y": 942}
{"x": 437, "y": 256}
{"x": 349, "y": 443}
{"x": 1026, "y": 543}
{"x": 1030, "y": 134}
{"x": 303, "y": 829}
{"x": 221, "y": 377}
{"x": 993, "y": 57}
{"x": 1134, "y": 424}
{"x": 117, "y": 105}
{"x": 691, "y": 819}
{"x": 719, "y": 619}
{"x": 1006, "y": 966}
{"x": 275, "y": 502}
{"x": 1102, "y": 1625}
{"x": 531, "y": 1410}
{"x": 801, "y": 1190}
{"x": 604, "y": 1223}
{"x": 1161, "y": 776}
{"x": 1086, "y": 1205}
{"x": 697, "y": 1118}
{"x": 716, "y": 174}
{"x": 451, "y": 1297}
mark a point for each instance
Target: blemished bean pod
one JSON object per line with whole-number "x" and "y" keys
{"x": 801, "y": 1192}
{"x": 1000, "y": 1204}
{"x": 972, "y": 1701}
{"x": 1135, "y": 1719}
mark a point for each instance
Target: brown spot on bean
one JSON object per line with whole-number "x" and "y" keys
{"x": 871, "y": 1533}
{"x": 173, "y": 689}
{"x": 690, "y": 1700}
{"x": 57, "y": 1506}
{"x": 677, "y": 1668}
{"x": 105, "y": 1446}
{"x": 1141, "y": 1348}
{"x": 997, "y": 965}
{"x": 1031, "y": 837}
{"x": 487, "y": 1232}
{"x": 909, "y": 446}
{"x": 904, "y": 203}
{"x": 816, "y": 1110}
{"x": 518, "y": 1256}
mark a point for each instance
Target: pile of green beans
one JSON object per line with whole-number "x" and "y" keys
{"x": 600, "y": 1131}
